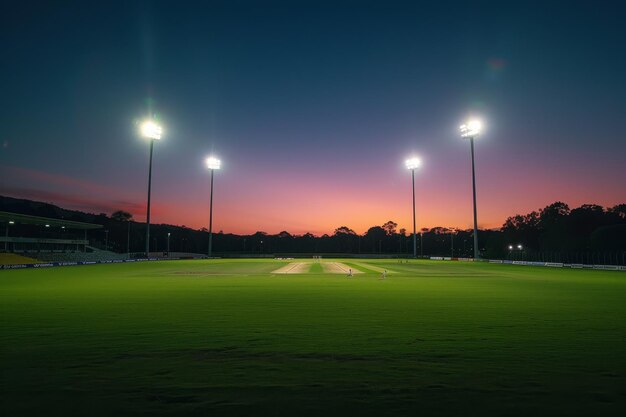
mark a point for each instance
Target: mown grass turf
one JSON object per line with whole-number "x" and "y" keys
{"x": 226, "y": 337}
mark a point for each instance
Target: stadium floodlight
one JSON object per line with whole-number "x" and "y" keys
{"x": 212, "y": 163}
{"x": 413, "y": 163}
{"x": 510, "y": 247}
{"x": 520, "y": 247}
{"x": 470, "y": 130}
{"x": 47, "y": 225}
{"x": 150, "y": 130}
{"x": 168, "y": 244}
{"x": 11, "y": 222}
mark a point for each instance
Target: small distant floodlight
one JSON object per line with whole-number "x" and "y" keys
{"x": 413, "y": 163}
{"x": 213, "y": 163}
{"x": 11, "y": 222}
{"x": 47, "y": 225}
{"x": 520, "y": 247}
{"x": 151, "y": 130}
{"x": 510, "y": 247}
{"x": 471, "y": 129}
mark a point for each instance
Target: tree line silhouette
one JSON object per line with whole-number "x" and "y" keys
{"x": 585, "y": 234}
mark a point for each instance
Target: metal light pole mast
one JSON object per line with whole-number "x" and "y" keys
{"x": 476, "y": 251}
{"x": 470, "y": 130}
{"x": 213, "y": 164}
{"x": 414, "y": 227}
{"x": 211, "y": 218}
{"x": 149, "y": 195}
{"x": 412, "y": 164}
{"x": 150, "y": 130}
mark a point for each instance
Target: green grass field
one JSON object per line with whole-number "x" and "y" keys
{"x": 228, "y": 337}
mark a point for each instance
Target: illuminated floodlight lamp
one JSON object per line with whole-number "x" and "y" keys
{"x": 213, "y": 163}
{"x": 11, "y": 222}
{"x": 471, "y": 129}
{"x": 413, "y": 163}
{"x": 510, "y": 247}
{"x": 151, "y": 130}
{"x": 47, "y": 225}
{"x": 520, "y": 247}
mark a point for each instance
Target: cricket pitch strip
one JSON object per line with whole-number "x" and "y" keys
{"x": 305, "y": 267}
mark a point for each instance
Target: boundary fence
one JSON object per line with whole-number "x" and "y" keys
{"x": 434, "y": 258}
{"x": 77, "y": 263}
{"x": 532, "y": 263}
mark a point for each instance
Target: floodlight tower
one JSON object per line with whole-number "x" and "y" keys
{"x": 212, "y": 163}
{"x": 412, "y": 164}
{"x": 470, "y": 130}
{"x": 151, "y": 131}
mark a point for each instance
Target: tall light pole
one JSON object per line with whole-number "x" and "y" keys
{"x": 470, "y": 130}
{"x": 412, "y": 164}
{"x": 168, "y": 244}
{"x": 151, "y": 131}
{"x": 212, "y": 163}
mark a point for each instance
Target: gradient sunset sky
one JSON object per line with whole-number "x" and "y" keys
{"x": 313, "y": 108}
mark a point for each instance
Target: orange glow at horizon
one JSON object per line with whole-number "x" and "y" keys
{"x": 247, "y": 201}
